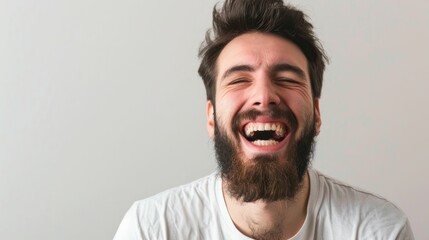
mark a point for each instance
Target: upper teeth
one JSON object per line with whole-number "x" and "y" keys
{"x": 254, "y": 126}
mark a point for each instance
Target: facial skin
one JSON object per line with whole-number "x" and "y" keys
{"x": 263, "y": 79}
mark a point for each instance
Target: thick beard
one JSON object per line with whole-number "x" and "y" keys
{"x": 265, "y": 177}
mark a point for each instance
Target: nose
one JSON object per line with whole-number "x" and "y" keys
{"x": 264, "y": 94}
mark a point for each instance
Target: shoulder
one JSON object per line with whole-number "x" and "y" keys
{"x": 174, "y": 212}
{"x": 336, "y": 192}
{"x": 363, "y": 212}
{"x": 179, "y": 198}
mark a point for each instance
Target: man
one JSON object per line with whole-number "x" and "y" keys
{"x": 262, "y": 67}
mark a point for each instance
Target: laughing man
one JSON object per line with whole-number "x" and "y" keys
{"x": 262, "y": 67}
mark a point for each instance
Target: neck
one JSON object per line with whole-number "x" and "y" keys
{"x": 269, "y": 220}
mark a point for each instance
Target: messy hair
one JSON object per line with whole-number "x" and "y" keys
{"x": 237, "y": 17}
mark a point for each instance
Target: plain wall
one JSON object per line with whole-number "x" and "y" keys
{"x": 101, "y": 105}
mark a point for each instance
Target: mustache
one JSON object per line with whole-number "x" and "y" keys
{"x": 275, "y": 112}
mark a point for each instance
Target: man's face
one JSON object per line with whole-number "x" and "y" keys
{"x": 265, "y": 117}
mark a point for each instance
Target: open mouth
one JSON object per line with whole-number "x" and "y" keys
{"x": 265, "y": 134}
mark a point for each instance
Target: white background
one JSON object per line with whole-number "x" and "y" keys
{"x": 101, "y": 105}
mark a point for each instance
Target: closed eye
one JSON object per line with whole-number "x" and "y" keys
{"x": 238, "y": 81}
{"x": 287, "y": 81}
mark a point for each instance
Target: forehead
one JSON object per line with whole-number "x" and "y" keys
{"x": 260, "y": 50}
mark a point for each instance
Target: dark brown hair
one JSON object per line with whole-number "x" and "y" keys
{"x": 237, "y": 17}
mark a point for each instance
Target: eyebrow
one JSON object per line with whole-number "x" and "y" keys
{"x": 237, "y": 68}
{"x": 285, "y": 67}
{"x": 281, "y": 67}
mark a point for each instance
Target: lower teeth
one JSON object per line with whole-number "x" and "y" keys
{"x": 265, "y": 142}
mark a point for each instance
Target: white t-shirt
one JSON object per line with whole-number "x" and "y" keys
{"x": 198, "y": 211}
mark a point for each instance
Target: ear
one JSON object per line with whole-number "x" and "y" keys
{"x": 210, "y": 119}
{"x": 317, "y": 118}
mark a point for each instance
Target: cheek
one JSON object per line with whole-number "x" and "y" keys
{"x": 227, "y": 106}
{"x": 302, "y": 108}
{"x": 224, "y": 117}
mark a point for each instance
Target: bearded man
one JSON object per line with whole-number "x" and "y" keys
{"x": 262, "y": 67}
